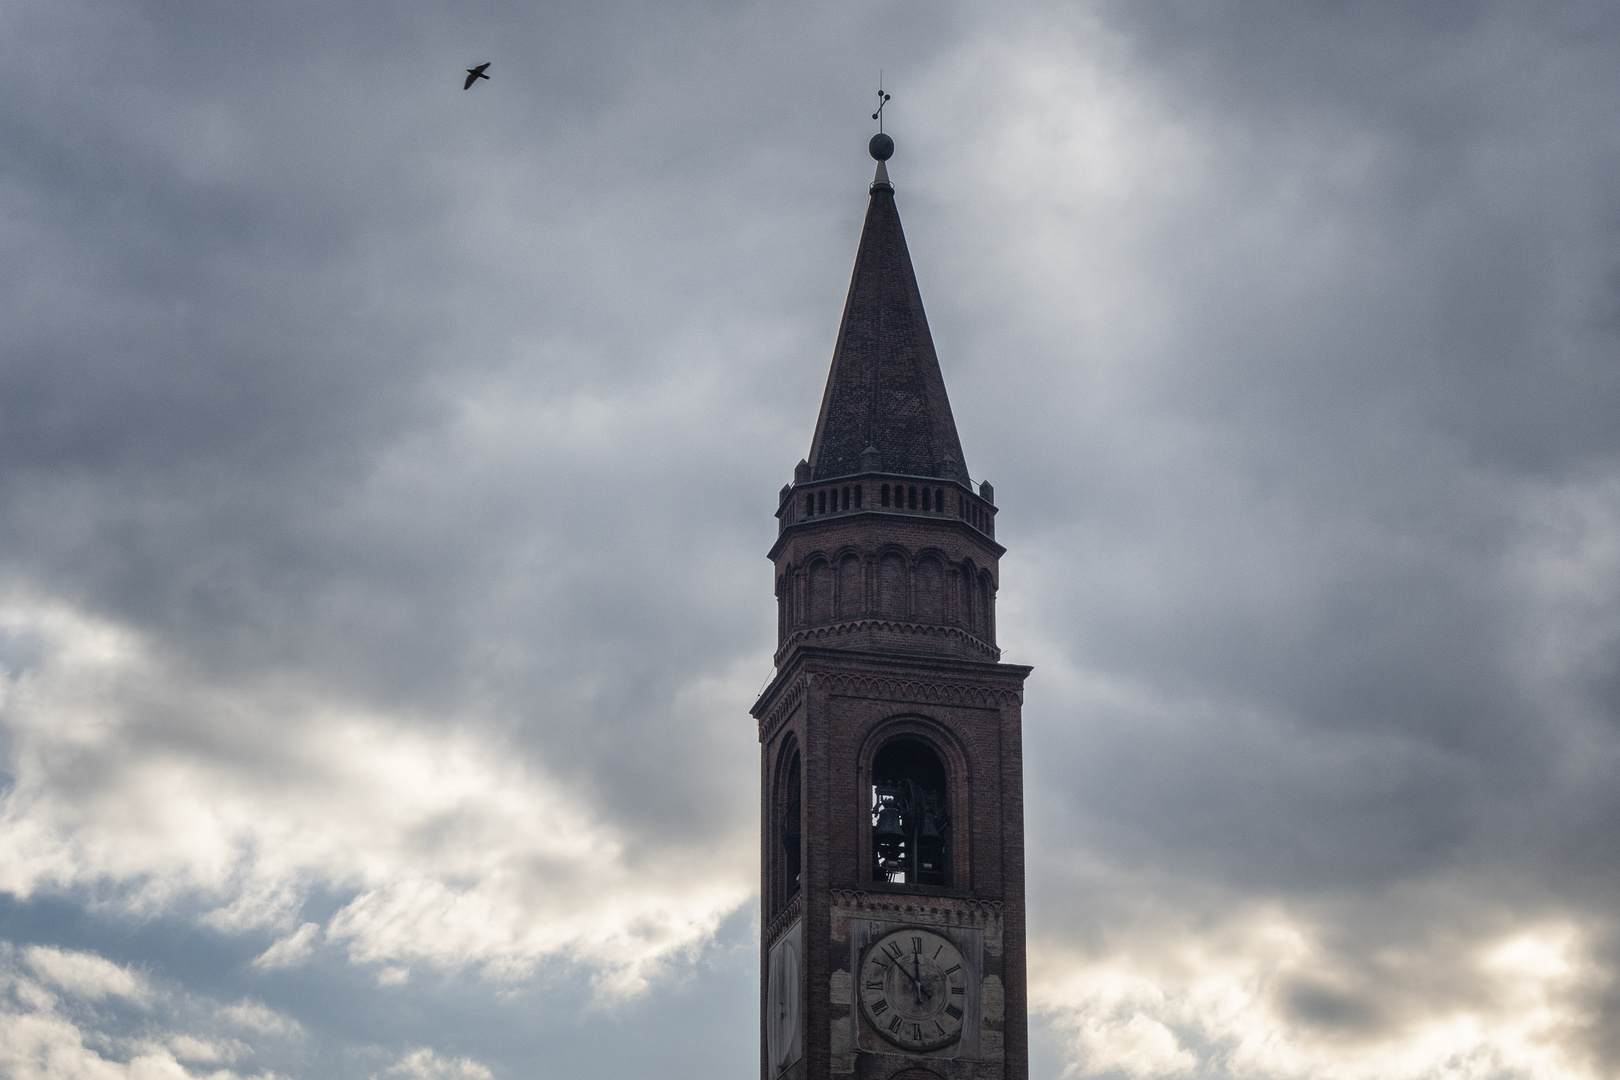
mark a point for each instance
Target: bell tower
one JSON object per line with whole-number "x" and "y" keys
{"x": 892, "y": 843}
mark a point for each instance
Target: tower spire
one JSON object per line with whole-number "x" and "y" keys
{"x": 884, "y": 391}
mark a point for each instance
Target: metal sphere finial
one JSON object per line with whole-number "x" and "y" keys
{"x": 881, "y": 147}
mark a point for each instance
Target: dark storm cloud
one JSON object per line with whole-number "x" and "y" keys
{"x": 381, "y": 473}
{"x": 1322, "y": 586}
{"x": 256, "y": 263}
{"x": 1385, "y": 356}
{"x": 386, "y": 470}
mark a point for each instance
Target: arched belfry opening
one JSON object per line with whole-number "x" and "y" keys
{"x": 789, "y": 829}
{"x": 911, "y": 820}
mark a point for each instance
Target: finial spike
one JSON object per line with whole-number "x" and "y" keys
{"x": 883, "y": 99}
{"x": 881, "y": 147}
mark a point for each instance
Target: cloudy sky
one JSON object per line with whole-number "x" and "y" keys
{"x": 386, "y": 473}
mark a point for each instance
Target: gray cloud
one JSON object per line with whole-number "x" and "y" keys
{"x": 339, "y": 403}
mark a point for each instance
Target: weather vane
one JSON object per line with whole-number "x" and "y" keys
{"x": 883, "y": 99}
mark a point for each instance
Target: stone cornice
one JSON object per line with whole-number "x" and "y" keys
{"x": 905, "y": 907}
{"x": 887, "y": 688}
{"x": 877, "y": 518}
{"x": 783, "y": 920}
{"x": 789, "y": 700}
{"x": 822, "y": 635}
{"x": 893, "y": 689}
{"x": 897, "y": 678}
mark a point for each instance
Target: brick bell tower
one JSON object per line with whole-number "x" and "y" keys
{"x": 892, "y": 846}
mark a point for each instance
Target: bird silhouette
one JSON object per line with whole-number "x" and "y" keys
{"x": 474, "y": 74}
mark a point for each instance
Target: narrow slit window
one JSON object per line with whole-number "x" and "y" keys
{"x": 857, "y": 496}
{"x": 885, "y": 494}
{"x": 789, "y": 830}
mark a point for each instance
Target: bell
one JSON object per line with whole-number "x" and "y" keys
{"x": 930, "y": 827}
{"x": 889, "y": 839}
{"x": 888, "y": 829}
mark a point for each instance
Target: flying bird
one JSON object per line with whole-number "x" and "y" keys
{"x": 474, "y": 74}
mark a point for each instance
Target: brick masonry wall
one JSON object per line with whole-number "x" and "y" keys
{"x": 840, "y": 706}
{"x": 826, "y": 599}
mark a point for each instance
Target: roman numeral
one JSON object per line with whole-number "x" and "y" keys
{"x": 895, "y": 945}
{"x": 916, "y": 1031}
{"x": 894, "y": 1025}
{"x": 937, "y": 952}
{"x": 956, "y": 989}
{"x": 875, "y": 985}
{"x": 953, "y": 1012}
{"x": 880, "y": 1006}
{"x": 953, "y": 968}
{"x": 916, "y": 944}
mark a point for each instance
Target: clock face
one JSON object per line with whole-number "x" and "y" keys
{"x": 783, "y": 1037}
{"x": 913, "y": 989}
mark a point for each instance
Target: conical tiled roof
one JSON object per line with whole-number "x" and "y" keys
{"x": 885, "y": 390}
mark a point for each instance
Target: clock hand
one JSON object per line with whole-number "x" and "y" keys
{"x": 916, "y": 978}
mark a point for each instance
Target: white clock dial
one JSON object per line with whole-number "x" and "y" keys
{"x": 913, "y": 989}
{"x": 783, "y": 1034}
